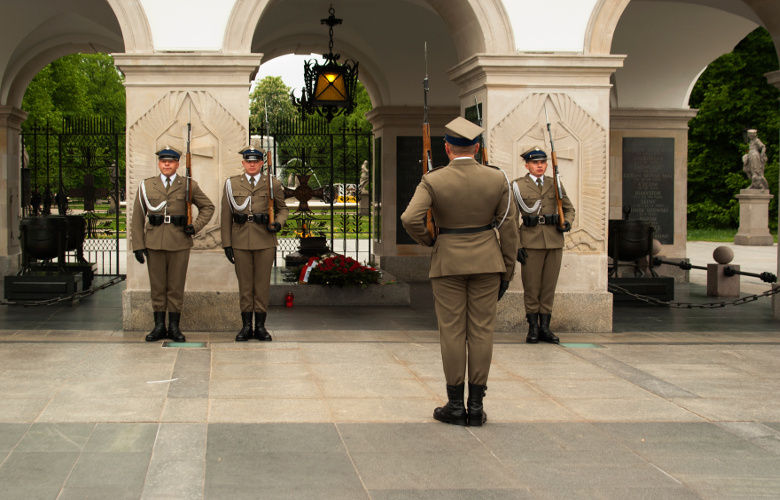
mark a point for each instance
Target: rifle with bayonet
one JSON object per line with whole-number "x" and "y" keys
{"x": 484, "y": 155}
{"x": 556, "y": 176}
{"x": 188, "y": 172}
{"x": 427, "y": 159}
{"x": 271, "y": 222}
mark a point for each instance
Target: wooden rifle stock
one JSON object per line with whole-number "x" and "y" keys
{"x": 484, "y": 155}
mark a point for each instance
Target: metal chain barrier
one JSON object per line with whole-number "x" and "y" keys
{"x": 691, "y": 305}
{"x": 57, "y": 300}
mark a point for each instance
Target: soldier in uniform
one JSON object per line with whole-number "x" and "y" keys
{"x": 161, "y": 234}
{"x": 541, "y": 242}
{"x": 472, "y": 262}
{"x": 249, "y": 238}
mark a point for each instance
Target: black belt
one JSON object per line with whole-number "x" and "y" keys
{"x": 464, "y": 230}
{"x": 244, "y": 218}
{"x": 533, "y": 220}
{"x": 159, "y": 219}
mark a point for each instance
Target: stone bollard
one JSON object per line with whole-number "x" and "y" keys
{"x": 718, "y": 284}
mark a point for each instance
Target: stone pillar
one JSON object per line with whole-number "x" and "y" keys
{"x": 164, "y": 93}
{"x": 774, "y": 79}
{"x": 665, "y": 124}
{"x": 754, "y": 218}
{"x": 11, "y": 119}
{"x": 394, "y": 127}
{"x": 514, "y": 90}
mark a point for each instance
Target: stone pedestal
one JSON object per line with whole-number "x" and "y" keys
{"x": 720, "y": 285}
{"x": 754, "y": 218}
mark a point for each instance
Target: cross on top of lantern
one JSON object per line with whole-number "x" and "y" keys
{"x": 330, "y": 88}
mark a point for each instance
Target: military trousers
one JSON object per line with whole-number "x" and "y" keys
{"x": 167, "y": 275}
{"x": 540, "y": 277}
{"x": 466, "y": 310}
{"x": 253, "y": 270}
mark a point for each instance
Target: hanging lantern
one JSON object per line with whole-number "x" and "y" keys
{"x": 330, "y": 87}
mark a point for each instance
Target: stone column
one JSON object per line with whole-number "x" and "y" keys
{"x": 774, "y": 79}
{"x": 407, "y": 262}
{"x": 514, "y": 90}
{"x": 11, "y": 119}
{"x": 665, "y": 124}
{"x": 164, "y": 93}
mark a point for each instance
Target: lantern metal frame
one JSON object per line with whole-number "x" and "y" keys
{"x": 329, "y": 88}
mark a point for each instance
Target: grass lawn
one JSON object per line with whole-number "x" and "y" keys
{"x": 718, "y": 235}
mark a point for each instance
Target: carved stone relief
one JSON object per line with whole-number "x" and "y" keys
{"x": 580, "y": 146}
{"x": 217, "y": 138}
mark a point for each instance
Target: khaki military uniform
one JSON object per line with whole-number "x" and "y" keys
{"x": 543, "y": 243}
{"x": 254, "y": 246}
{"x": 168, "y": 248}
{"x": 466, "y": 269}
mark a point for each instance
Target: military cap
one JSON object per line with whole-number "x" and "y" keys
{"x": 251, "y": 153}
{"x": 534, "y": 153}
{"x": 169, "y": 153}
{"x": 461, "y": 132}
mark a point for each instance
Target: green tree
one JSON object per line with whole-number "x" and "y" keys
{"x": 732, "y": 95}
{"x": 271, "y": 92}
{"x": 74, "y": 86}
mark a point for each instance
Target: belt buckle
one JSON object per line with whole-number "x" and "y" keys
{"x": 542, "y": 220}
{"x": 250, "y": 218}
{"x": 167, "y": 219}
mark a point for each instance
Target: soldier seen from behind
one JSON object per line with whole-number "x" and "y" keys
{"x": 472, "y": 262}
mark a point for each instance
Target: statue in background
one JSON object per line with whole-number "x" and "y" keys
{"x": 754, "y": 161}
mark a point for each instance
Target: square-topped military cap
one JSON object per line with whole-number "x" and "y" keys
{"x": 252, "y": 153}
{"x": 461, "y": 132}
{"x": 169, "y": 153}
{"x": 534, "y": 153}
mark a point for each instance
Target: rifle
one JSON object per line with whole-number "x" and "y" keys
{"x": 188, "y": 172}
{"x": 484, "y": 155}
{"x": 427, "y": 160}
{"x": 268, "y": 169}
{"x": 556, "y": 174}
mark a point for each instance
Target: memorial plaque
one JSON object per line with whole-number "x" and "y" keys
{"x": 648, "y": 183}
{"x": 408, "y": 174}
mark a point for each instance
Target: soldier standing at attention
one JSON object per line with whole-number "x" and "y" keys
{"x": 249, "y": 238}
{"x": 472, "y": 262}
{"x": 541, "y": 243}
{"x": 160, "y": 233}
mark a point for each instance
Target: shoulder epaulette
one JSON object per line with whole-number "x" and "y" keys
{"x": 434, "y": 170}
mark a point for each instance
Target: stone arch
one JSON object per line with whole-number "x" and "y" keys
{"x": 19, "y": 75}
{"x": 136, "y": 32}
{"x": 488, "y": 29}
{"x": 602, "y": 24}
{"x": 135, "y": 38}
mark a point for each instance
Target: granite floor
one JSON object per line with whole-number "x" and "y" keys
{"x": 673, "y": 404}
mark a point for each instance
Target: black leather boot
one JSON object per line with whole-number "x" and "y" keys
{"x": 173, "y": 327}
{"x": 545, "y": 335}
{"x": 246, "y": 330}
{"x": 453, "y": 412}
{"x": 260, "y": 332}
{"x": 159, "y": 328}
{"x": 477, "y": 415}
{"x": 533, "y": 328}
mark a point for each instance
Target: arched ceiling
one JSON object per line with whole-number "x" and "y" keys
{"x": 669, "y": 43}
{"x": 387, "y": 38}
{"x": 44, "y": 30}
